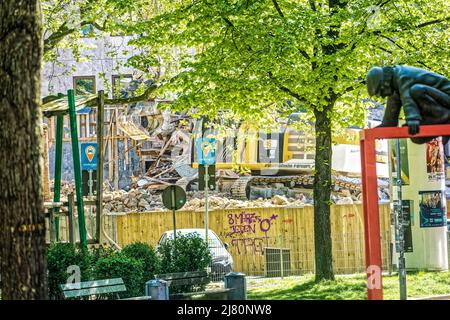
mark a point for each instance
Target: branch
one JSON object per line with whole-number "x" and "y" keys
{"x": 304, "y": 54}
{"x": 432, "y": 22}
{"x": 284, "y": 88}
{"x": 229, "y": 23}
{"x": 275, "y": 3}
{"x": 63, "y": 31}
{"x": 143, "y": 97}
{"x": 291, "y": 93}
{"x": 402, "y": 48}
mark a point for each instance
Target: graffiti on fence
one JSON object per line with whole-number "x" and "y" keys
{"x": 249, "y": 245}
{"x": 245, "y": 228}
{"x": 244, "y": 223}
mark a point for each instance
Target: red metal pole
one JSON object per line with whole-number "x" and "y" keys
{"x": 370, "y": 197}
{"x": 371, "y": 219}
{"x": 364, "y": 193}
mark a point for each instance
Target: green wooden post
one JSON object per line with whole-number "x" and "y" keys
{"x": 58, "y": 161}
{"x": 77, "y": 168}
{"x": 100, "y": 160}
{"x": 70, "y": 206}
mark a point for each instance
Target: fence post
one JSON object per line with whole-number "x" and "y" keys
{"x": 70, "y": 206}
{"x": 281, "y": 263}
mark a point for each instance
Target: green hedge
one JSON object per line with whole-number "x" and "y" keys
{"x": 136, "y": 263}
{"x": 118, "y": 265}
{"x": 60, "y": 256}
{"x": 145, "y": 253}
{"x": 189, "y": 252}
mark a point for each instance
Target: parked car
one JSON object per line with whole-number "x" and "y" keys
{"x": 222, "y": 261}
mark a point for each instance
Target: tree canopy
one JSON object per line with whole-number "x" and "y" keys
{"x": 247, "y": 54}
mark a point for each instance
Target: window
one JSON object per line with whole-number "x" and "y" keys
{"x": 121, "y": 84}
{"x": 84, "y": 85}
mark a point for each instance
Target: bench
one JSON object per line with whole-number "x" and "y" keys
{"x": 93, "y": 288}
{"x": 191, "y": 284}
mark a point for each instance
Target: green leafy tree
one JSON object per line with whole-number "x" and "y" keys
{"x": 252, "y": 56}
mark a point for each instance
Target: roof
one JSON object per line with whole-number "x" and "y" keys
{"x": 61, "y": 106}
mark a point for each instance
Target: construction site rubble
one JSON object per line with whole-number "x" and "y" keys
{"x": 145, "y": 198}
{"x": 141, "y": 200}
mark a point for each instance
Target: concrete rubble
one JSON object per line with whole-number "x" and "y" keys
{"x": 141, "y": 200}
{"x": 144, "y": 199}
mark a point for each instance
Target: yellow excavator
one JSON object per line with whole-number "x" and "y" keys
{"x": 252, "y": 163}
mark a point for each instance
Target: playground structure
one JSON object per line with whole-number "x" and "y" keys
{"x": 58, "y": 108}
{"x": 370, "y": 199}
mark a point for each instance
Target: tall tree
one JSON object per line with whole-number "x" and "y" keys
{"x": 22, "y": 225}
{"x": 251, "y": 56}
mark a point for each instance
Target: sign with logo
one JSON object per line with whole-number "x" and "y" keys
{"x": 206, "y": 151}
{"x": 89, "y": 156}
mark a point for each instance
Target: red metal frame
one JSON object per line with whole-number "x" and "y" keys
{"x": 370, "y": 192}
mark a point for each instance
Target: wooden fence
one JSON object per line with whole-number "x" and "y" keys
{"x": 249, "y": 232}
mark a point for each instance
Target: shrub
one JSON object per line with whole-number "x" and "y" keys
{"x": 189, "y": 252}
{"x": 145, "y": 253}
{"x": 59, "y": 257}
{"x": 118, "y": 265}
{"x": 100, "y": 252}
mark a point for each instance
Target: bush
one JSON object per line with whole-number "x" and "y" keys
{"x": 118, "y": 265}
{"x": 59, "y": 257}
{"x": 145, "y": 253}
{"x": 100, "y": 252}
{"x": 189, "y": 252}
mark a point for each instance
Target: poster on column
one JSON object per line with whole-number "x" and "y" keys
{"x": 435, "y": 160}
{"x": 403, "y": 159}
{"x": 408, "y": 221}
{"x": 432, "y": 209}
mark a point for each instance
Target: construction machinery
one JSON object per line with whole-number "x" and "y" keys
{"x": 253, "y": 163}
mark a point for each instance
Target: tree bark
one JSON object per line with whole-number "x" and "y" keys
{"x": 322, "y": 193}
{"x": 22, "y": 226}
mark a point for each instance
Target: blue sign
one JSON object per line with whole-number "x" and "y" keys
{"x": 89, "y": 156}
{"x": 206, "y": 152}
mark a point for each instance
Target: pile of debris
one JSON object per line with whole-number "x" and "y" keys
{"x": 135, "y": 200}
{"x": 142, "y": 200}
{"x": 223, "y": 202}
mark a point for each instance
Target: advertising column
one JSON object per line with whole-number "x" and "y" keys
{"x": 423, "y": 203}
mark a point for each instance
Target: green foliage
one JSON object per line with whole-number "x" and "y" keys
{"x": 252, "y": 57}
{"x": 248, "y": 56}
{"x": 189, "y": 252}
{"x": 118, "y": 265}
{"x": 145, "y": 253}
{"x": 59, "y": 257}
{"x": 101, "y": 252}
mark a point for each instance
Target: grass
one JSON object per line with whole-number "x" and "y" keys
{"x": 347, "y": 287}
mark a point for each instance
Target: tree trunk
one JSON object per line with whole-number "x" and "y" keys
{"x": 322, "y": 193}
{"x": 23, "y": 266}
